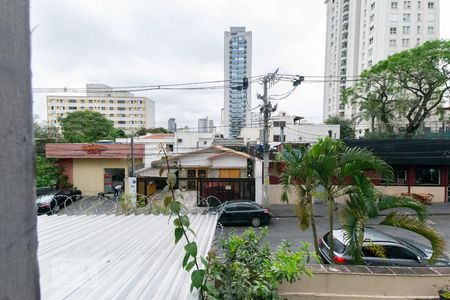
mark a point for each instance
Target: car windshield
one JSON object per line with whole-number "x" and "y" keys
{"x": 219, "y": 207}
{"x": 411, "y": 245}
{"x": 338, "y": 246}
{"x": 45, "y": 198}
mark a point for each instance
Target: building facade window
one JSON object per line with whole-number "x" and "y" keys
{"x": 419, "y": 30}
{"x": 407, "y": 4}
{"x": 406, "y": 29}
{"x": 393, "y": 43}
{"x": 428, "y": 176}
{"x": 394, "y": 4}
{"x": 406, "y": 17}
{"x": 393, "y": 30}
{"x": 430, "y": 5}
{"x": 405, "y": 42}
{"x": 430, "y": 30}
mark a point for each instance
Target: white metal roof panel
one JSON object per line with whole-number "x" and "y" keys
{"x": 116, "y": 257}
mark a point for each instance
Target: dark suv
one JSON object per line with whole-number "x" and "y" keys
{"x": 380, "y": 249}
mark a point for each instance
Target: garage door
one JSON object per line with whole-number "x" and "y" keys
{"x": 230, "y": 173}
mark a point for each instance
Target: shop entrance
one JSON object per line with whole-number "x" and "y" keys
{"x": 113, "y": 177}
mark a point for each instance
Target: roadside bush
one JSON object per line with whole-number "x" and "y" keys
{"x": 245, "y": 268}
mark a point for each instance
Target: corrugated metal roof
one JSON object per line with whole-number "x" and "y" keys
{"x": 116, "y": 257}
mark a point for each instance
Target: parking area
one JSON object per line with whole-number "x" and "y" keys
{"x": 288, "y": 229}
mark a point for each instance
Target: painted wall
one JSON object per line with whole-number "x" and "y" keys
{"x": 88, "y": 173}
{"x": 229, "y": 162}
{"x": 437, "y": 191}
{"x": 378, "y": 286}
{"x": 19, "y": 271}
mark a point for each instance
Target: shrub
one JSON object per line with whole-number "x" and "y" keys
{"x": 248, "y": 269}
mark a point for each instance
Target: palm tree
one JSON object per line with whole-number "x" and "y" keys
{"x": 297, "y": 178}
{"x": 340, "y": 170}
{"x": 363, "y": 206}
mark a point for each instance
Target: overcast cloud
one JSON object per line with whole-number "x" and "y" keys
{"x": 143, "y": 42}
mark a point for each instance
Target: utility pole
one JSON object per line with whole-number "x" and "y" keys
{"x": 266, "y": 105}
{"x": 132, "y": 153}
{"x": 282, "y": 125}
{"x": 266, "y": 109}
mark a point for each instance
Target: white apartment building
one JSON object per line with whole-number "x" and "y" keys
{"x": 294, "y": 131}
{"x": 127, "y": 111}
{"x": 237, "y": 69}
{"x": 360, "y": 33}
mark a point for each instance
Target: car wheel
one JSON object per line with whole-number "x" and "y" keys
{"x": 255, "y": 222}
{"x": 55, "y": 210}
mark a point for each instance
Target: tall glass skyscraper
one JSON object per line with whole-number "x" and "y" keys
{"x": 238, "y": 68}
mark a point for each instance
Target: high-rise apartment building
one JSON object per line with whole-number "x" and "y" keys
{"x": 237, "y": 72}
{"x": 203, "y": 125}
{"x": 127, "y": 111}
{"x": 172, "y": 125}
{"x": 360, "y": 33}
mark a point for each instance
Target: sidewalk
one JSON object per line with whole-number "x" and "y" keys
{"x": 321, "y": 210}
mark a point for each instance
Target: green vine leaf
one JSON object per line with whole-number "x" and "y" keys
{"x": 171, "y": 180}
{"x": 190, "y": 265}
{"x": 191, "y": 248}
{"x": 161, "y": 171}
{"x": 186, "y": 259}
{"x": 175, "y": 207}
{"x": 167, "y": 201}
{"x": 197, "y": 278}
{"x": 177, "y": 222}
{"x": 178, "y": 234}
{"x": 185, "y": 221}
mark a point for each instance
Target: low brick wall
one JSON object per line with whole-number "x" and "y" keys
{"x": 368, "y": 283}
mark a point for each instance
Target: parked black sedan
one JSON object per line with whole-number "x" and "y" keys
{"x": 51, "y": 202}
{"x": 242, "y": 212}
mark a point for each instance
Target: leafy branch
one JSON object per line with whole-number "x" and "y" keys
{"x": 182, "y": 226}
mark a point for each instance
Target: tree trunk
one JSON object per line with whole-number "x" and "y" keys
{"x": 314, "y": 230}
{"x": 372, "y": 125}
{"x": 330, "y": 236}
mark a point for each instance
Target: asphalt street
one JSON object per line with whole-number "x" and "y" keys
{"x": 287, "y": 229}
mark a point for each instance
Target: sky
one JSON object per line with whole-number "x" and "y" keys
{"x": 147, "y": 42}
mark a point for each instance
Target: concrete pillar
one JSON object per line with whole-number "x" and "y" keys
{"x": 19, "y": 274}
{"x": 258, "y": 181}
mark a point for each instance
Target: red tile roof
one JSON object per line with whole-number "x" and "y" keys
{"x": 158, "y": 136}
{"x": 93, "y": 151}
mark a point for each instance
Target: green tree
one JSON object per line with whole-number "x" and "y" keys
{"x": 407, "y": 87}
{"x": 347, "y": 126}
{"x": 365, "y": 206}
{"x": 340, "y": 170}
{"x": 87, "y": 127}
{"x": 45, "y": 134}
{"x": 144, "y": 131}
{"x": 47, "y": 173}
{"x": 298, "y": 179}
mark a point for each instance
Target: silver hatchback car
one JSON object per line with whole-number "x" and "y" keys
{"x": 381, "y": 249}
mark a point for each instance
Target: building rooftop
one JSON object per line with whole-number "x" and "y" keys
{"x": 117, "y": 257}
